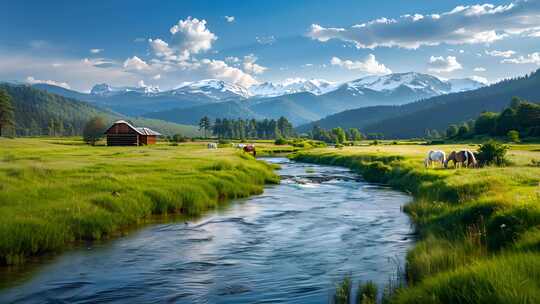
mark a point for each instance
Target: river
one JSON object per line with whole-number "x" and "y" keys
{"x": 291, "y": 244}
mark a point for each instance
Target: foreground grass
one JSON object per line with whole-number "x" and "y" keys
{"x": 56, "y": 191}
{"x": 479, "y": 230}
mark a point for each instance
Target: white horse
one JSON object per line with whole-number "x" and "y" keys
{"x": 435, "y": 156}
{"x": 212, "y": 146}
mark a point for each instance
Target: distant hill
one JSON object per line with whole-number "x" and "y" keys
{"x": 301, "y": 101}
{"x": 38, "y": 112}
{"x": 413, "y": 119}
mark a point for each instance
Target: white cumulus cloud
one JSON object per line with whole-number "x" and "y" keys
{"x": 229, "y": 19}
{"x": 479, "y": 69}
{"x": 471, "y": 24}
{"x": 96, "y": 51}
{"x": 251, "y": 67}
{"x": 480, "y": 79}
{"x": 221, "y": 70}
{"x": 136, "y": 63}
{"x": 370, "y": 65}
{"x": 192, "y": 35}
{"x": 440, "y": 64}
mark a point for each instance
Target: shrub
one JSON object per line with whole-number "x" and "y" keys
{"x": 93, "y": 130}
{"x": 513, "y": 136}
{"x": 224, "y": 142}
{"x": 280, "y": 141}
{"x": 492, "y": 153}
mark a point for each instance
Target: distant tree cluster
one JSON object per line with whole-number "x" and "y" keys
{"x": 7, "y": 116}
{"x": 336, "y": 135}
{"x": 521, "y": 118}
{"x": 249, "y": 128}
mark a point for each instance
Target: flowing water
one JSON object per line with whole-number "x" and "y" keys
{"x": 290, "y": 244}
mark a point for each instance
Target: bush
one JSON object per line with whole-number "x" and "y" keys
{"x": 224, "y": 142}
{"x": 178, "y": 138}
{"x": 280, "y": 141}
{"x": 492, "y": 153}
{"x": 513, "y": 136}
{"x": 94, "y": 130}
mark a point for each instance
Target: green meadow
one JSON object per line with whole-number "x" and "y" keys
{"x": 478, "y": 229}
{"x": 55, "y": 192}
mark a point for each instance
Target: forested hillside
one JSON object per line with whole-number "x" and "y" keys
{"x": 459, "y": 107}
{"x": 436, "y": 113}
{"x": 41, "y": 113}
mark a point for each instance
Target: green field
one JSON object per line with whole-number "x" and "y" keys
{"x": 54, "y": 192}
{"x": 478, "y": 229}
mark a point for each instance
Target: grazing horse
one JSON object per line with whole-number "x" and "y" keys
{"x": 463, "y": 158}
{"x": 250, "y": 149}
{"x": 212, "y": 146}
{"x": 436, "y": 156}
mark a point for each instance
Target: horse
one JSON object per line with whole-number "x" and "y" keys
{"x": 212, "y": 146}
{"x": 250, "y": 149}
{"x": 435, "y": 156}
{"x": 463, "y": 158}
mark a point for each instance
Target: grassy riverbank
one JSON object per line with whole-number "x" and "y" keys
{"x": 58, "y": 191}
{"x": 479, "y": 229}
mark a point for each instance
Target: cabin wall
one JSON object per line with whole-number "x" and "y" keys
{"x": 122, "y": 140}
{"x": 122, "y": 135}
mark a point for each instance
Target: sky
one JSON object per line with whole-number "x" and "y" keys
{"x": 77, "y": 44}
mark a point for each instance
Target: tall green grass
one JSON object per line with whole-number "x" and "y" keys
{"x": 53, "y": 194}
{"x": 478, "y": 229}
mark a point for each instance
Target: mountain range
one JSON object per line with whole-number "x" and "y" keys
{"x": 436, "y": 113}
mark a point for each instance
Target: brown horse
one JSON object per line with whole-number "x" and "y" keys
{"x": 250, "y": 149}
{"x": 463, "y": 158}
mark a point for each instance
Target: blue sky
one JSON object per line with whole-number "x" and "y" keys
{"x": 79, "y": 43}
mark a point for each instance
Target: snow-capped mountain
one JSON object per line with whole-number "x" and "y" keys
{"x": 104, "y": 89}
{"x": 422, "y": 84}
{"x": 466, "y": 84}
{"x": 292, "y": 86}
{"x": 211, "y": 88}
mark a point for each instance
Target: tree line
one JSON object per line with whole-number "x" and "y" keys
{"x": 339, "y": 135}
{"x": 521, "y": 118}
{"x": 247, "y": 128}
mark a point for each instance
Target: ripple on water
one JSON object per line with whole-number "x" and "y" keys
{"x": 289, "y": 245}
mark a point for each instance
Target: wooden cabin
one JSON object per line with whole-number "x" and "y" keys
{"x": 122, "y": 133}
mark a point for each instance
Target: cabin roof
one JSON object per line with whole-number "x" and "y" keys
{"x": 140, "y": 130}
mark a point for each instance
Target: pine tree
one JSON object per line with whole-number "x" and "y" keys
{"x": 7, "y": 116}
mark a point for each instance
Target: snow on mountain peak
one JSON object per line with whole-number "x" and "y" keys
{"x": 213, "y": 88}
{"x": 291, "y": 86}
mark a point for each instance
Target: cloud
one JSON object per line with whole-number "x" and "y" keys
{"x": 479, "y": 69}
{"x": 191, "y": 35}
{"x": 156, "y": 77}
{"x": 161, "y": 49}
{"x": 229, "y": 19}
{"x": 251, "y": 67}
{"x": 441, "y": 64}
{"x": 232, "y": 59}
{"x": 32, "y": 80}
{"x": 265, "y": 40}
{"x": 480, "y": 79}
{"x": 135, "y": 63}
{"x": 370, "y": 65}
{"x": 96, "y": 51}
{"x": 463, "y": 25}
{"x": 221, "y": 70}
{"x": 505, "y": 54}
{"x": 533, "y": 58}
